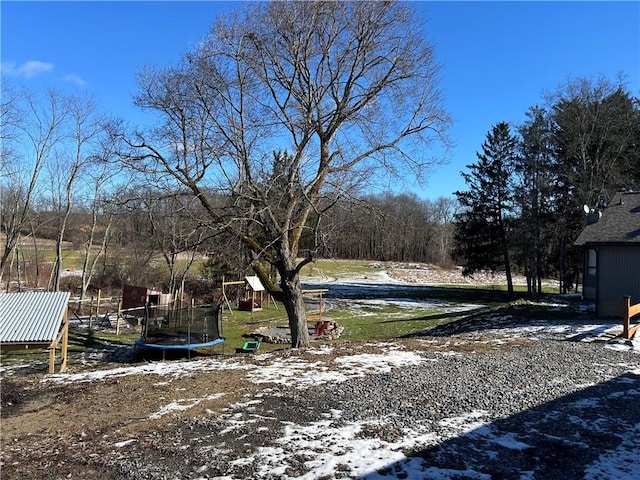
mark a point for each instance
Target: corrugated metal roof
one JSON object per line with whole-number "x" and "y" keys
{"x": 31, "y": 317}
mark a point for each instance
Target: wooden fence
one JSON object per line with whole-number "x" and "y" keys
{"x": 629, "y": 311}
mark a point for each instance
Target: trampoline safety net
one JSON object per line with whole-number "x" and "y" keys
{"x": 165, "y": 326}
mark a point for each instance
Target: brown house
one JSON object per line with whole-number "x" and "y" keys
{"x": 611, "y": 243}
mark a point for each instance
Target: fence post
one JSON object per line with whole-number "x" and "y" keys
{"x": 52, "y": 359}
{"x": 98, "y": 306}
{"x": 626, "y": 316}
{"x": 118, "y": 318}
{"x": 91, "y": 313}
{"x": 65, "y": 345}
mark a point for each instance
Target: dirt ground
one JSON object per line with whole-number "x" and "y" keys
{"x": 54, "y": 430}
{"x": 51, "y": 431}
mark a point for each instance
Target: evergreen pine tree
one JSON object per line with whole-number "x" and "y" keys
{"x": 534, "y": 196}
{"x": 482, "y": 235}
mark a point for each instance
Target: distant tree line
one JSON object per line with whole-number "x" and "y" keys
{"x": 524, "y": 203}
{"x": 387, "y": 227}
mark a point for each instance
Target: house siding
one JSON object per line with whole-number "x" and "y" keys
{"x": 618, "y": 276}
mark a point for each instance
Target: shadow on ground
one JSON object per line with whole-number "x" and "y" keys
{"x": 518, "y": 313}
{"x": 416, "y": 292}
{"x": 594, "y": 431}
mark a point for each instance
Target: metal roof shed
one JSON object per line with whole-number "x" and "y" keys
{"x": 35, "y": 320}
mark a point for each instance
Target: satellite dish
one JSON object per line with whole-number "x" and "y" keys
{"x": 586, "y": 208}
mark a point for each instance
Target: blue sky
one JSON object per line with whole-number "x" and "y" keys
{"x": 498, "y": 58}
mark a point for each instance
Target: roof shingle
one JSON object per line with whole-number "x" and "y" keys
{"x": 619, "y": 223}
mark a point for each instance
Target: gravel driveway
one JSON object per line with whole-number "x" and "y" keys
{"x": 492, "y": 400}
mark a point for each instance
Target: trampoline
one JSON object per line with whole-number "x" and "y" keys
{"x": 165, "y": 328}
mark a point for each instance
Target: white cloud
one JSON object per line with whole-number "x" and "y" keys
{"x": 73, "y": 78}
{"x": 33, "y": 68}
{"x": 27, "y": 69}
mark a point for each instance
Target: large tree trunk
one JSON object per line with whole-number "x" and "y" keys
{"x": 507, "y": 261}
{"x": 294, "y": 305}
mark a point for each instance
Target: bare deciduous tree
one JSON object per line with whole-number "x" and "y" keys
{"x": 102, "y": 182}
{"x": 32, "y": 127}
{"x": 443, "y": 211}
{"x": 72, "y": 157}
{"x": 340, "y": 90}
{"x": 175, "y": 232}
